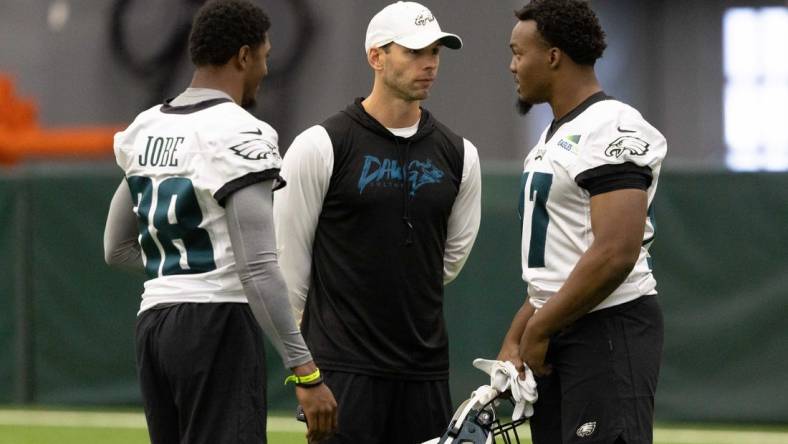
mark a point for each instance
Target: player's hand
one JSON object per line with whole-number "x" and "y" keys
{"x": 510, "y": 351}
{"x": 533, "y": 349}
{"x": 320, "y": 409}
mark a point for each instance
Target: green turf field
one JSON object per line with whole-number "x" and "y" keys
{"x": 81, "y": 435}
{"x": 70, "y": 427}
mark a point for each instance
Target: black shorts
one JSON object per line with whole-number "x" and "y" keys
{"x": 605, "y": 369}
{"x": 202, "y": 372}
{"x": 375, "y": 410}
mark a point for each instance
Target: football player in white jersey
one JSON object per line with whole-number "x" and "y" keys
{"x": 591, "y": 328}
{"x": 196, "y": 207}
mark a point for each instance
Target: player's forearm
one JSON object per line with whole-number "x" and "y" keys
{"x": 617, "y": 221}
{"x": 124, "y": 254}
{"x": 121, "y": 247}
{"x": 597, "y": 274}
{"x": 250, "y": 226}
{"x": 267, "y": 295}
{"x": 510, "y": 347}
{"x": 518, "y": 324}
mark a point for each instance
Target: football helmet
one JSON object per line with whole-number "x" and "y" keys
{"x": 476, "y": 421}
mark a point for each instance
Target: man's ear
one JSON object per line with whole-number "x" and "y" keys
{"x": 555, "y": 55}
{"x": 243, "y": 57}
{"x": 375, "y": 58}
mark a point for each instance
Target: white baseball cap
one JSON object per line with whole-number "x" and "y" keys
{"x": 408, "y": 24}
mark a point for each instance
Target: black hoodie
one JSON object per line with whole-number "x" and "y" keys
{"x": 375, "y": 304}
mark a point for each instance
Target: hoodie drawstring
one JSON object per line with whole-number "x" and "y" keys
{"x": 404, "y": 156}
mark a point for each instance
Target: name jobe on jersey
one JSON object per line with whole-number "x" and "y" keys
{"x": 160, "y": 151}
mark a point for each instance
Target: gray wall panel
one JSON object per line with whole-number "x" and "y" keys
{"x": 664, "y": 57}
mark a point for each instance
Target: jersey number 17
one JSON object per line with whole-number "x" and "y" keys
{"x": 538, "y": 192}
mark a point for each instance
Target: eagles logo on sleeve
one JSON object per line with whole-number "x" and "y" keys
{"x": 627, "y": 144}
{"x": 255, "y": 149}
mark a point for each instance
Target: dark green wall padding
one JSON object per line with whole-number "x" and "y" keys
{"x": 66, "y": 327}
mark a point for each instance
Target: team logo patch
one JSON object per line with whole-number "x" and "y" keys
{"x": 388, "y": 173}
{"x": 586, "y": 430}
{"x": 627, "y": 144}
{"x": 569, "y": 143}
{"x": 255, "y": 149}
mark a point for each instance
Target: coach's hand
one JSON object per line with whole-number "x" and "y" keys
{"x": 320, "y": 409}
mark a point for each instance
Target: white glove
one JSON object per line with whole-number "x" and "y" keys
{"x": 524, "y": 394}
{"x": 485, "y": 394}
{"x": 499, "y": 374}
{"x": 504, "y": 376}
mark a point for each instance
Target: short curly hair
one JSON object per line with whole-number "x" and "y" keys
{"x": 222, "y": 27}
{"x": 570, "y": 25}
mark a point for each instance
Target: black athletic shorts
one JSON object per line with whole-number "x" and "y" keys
{"x": 375, "y": 410}
{"x": 605, "y": 369}
{"x": 202, "y": 372}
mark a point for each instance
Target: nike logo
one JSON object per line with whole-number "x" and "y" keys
{"x": 259, "y": 132}
{"x": 622, "y": 130}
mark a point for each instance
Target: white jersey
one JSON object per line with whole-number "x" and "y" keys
{"x": 556, "y": 211}
{"x": 180, "y": 164}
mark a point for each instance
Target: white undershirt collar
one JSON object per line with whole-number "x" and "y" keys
{"x": 405, "y": 132}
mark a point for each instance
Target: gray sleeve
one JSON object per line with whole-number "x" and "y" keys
{"x": 251, "y": 227}
{"x": 121, "y": 247}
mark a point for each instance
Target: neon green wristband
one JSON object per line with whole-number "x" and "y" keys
{"x": 306, "y": 380}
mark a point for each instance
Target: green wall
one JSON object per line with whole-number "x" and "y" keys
{"x": 723, "y": 271}
{"x": 66, "y": 328}
{"x": 8, "y": 304}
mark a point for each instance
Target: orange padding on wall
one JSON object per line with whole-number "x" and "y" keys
{"x": 22, "y": 138}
